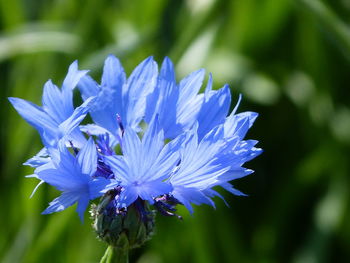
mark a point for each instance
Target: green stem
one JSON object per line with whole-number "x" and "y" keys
{"x": 115, "y": 255}
{"x": 121, "y": 255}
{"x": 107, "y": 255}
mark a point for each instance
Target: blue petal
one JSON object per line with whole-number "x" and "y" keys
{"x": 113, "y": 183}
{"x": 36, "y": 117}
{"x": 169, "y": 95}
{"x": 189, "y": 103}
{"x": 88, "y": 87}
{"x": 152, "y": 144}
{"x": 190, "y": 86}
{"x": 67, "y": 199}
{"x": 153, "y": 101}
{"x": 87, "y": 158}
{"x": 239, "y": 124}
{"x": 110, "y": 99}
{"x": 127, "y": 197}
{"x": 167, "y": 71}
{"x": 214, "y": 110}
{"x": 104, "y": 115}
{"x": 229, "y": 187}
{"x": 73, "y": 77}
{"x": 212, "y": 193}
{"x": 61, "y": 179}
{"x": 82, "y": 205}
{"x": 235, "y": 173}
{"x": 93, "y": 129}
{"x": 177, "y": 106}
{"x": 164, "y": 95}
{"x": 200, "y": 168}
{"x": 139, "y": 85}
{"x": 98, "y": 186}
{"x": 66, "y": 176}
{"x": 246, "y": 151}
{"x": 78, "y": 115}
{"x": 166, "y": 161}
{"x": 209, "y": 86}
{"x": 191, "y": 195}
{"x": 113, "y": 75}
{"x": 53, "y": 103}
{"x": 187, "y": 113}
{"x": 49, "y": 165}
{"x": 132, "y": 152}
{"x": 120, "y": 169}
{"x": 70, "y": 82}
{"x": 75, "y": 138}
{"x": 148, "y": 191}
{"x": 42, "y": 157}
{"x": 198, "y": 157}
{"x": 33, "y": 114}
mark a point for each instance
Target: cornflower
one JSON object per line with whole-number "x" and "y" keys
{"x": 153, "y": 144}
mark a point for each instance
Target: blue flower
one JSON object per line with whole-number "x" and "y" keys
{"x": 73, "y": 176}
{"x": 152, "y": 140}
{"x": 144, "y": 166}
{"x": 57, "y": 119}
{"x": 119, "y": 96}
{"x": 201, "y": 166}
{"x": 214, "y": 109}
{"x": 214, "y": 160}
{"x": 177, "y": 105}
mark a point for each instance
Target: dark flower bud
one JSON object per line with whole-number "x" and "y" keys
{"x": 122, "y": 228}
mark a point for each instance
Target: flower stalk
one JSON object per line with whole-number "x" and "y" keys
{"x": 115, "y": 255}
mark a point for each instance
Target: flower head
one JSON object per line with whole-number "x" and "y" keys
{"x": 73, "y": 176}
{"x": 119, "y": 96}
{"x": 144, "y": 166}
{"x": 56, "y": 120}
{"x": 153, "y": 142}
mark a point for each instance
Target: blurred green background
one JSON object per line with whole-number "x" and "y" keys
{"x": 289, "y": 59}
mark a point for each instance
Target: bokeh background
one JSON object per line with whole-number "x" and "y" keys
{"x": 289, "y": 59}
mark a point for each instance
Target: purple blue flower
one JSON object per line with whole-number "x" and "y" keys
{"x": 57, "y": 119}
{"x": 74, "y": 176}
{"x": 119, "y": 96}
{"x": 152, "y": 141}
